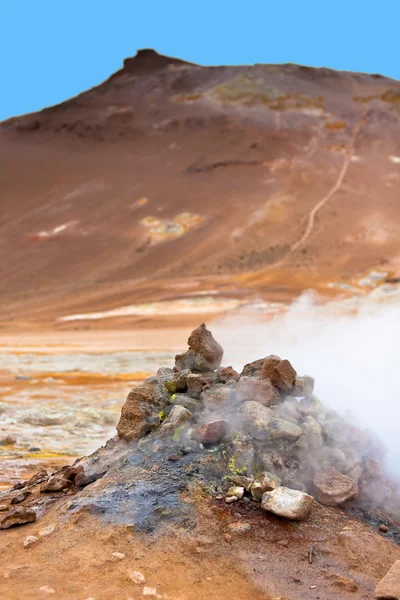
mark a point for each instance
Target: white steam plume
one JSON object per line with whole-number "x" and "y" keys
{"x": 355, "y": 360}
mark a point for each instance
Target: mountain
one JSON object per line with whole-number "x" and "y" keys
{"x": 172, "y": 181}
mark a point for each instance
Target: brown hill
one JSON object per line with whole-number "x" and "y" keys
{"x": 171, "y": 179}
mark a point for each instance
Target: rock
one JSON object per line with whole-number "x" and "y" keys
{"x": 311, "y": 406}
{"x": 210, "y": 433}
{"x": 239, "y": 527}
{"x": 217, "y": 397}
{"x": 9, "y": 440}
{"x": 137, "y": 577}
{"x": 56, "y": 483}
{"x": 255, "y": 419}
{"x": 279, "y": 372}
{"x": 47, "y": 531}
{"x": 264, "y": 483}
{"x": 389, "y": 587}
{"x": 235, "y": 491}
{"x": 283, "y": 430}
{"x": 17, "y": 516}
{"x": 257, "y": 390}
{"x": 241, "y": 455}
{"x": 242, "y": 481}
{"x": 372, "y": 468}
{"x": 231, "y": 499}
{"x": 195, "y": 384}
{"x": 141, "y": 411}
{"x": 384, "y": 528}
{"x": 19, "y": 485}
{"x": 313, "y": 432}
{"x": 148, "y": 591}
{"x": 38, "y": 477}
{"x": 117, "y": 556}
{"x": 291, "y": 504}
{"x": 174, "y": 382}
{"x": 3, "y": 507}
{"x": 21, "y": 497}
{"x": 332, "y": 488}
{"x": 28, "y": 541}
{"x": 178, "y": 416}
{"x": 47, "y": 589}
{"x": 303, "y": 386}
{"x": 204, "y": 354}
{"x": 226, "y": 374}
{"x": 187, "y": 402}
{"x": 253, "y": 369}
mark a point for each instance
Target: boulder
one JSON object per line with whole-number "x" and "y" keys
{"x": 187, "y": 402}
{"x": 389, "y": 587}
{"x": 17, "y": 516}
{"x": 56, "y": 483}
{"x": 332, "y": 488}
{"x": 255, "y": 419}
{"x": 226, "y": 374}
{"x": 284, "y": 502}
{"x": 257, "y": 390}
{"x": 204, "y": 354}
{"x": 280, "y": 372}
{"x": 283, "y": 430}
{"x": 210, "y": 433}
{"x": 218, "y": 396}
{"x": 141, "y": 411}
{"x": 178, "y": 416}
{"x": 264, "y": 483}
{"x": 253, "y": 369}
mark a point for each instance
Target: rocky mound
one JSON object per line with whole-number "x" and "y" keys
{"x": 261, "y": 435}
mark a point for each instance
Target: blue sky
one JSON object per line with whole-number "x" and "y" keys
{"x": 51, "y": 50}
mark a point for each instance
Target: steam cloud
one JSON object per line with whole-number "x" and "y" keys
{"x": 354, "y": 359}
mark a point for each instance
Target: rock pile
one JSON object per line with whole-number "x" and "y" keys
{"x": 283, "y": 447}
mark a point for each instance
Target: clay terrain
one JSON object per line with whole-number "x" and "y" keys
{"x": 198, "y": 188}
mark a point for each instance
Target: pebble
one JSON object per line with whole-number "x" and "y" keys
{"x": 239, "y": 527}
{"x": 47, "y": 589}
{"x": 46, "y": 530}
{"x": 31, "y": 539}
{"x": 117, "y": 556}
{"x": 148, "y": 591}
{"x": 3, "y": 507}
{"x": 231, "y": 499}
{"x": 137, "y": 577}
{"x": 383, "y": 528}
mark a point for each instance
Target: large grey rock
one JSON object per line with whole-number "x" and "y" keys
{"x": 204, "y": 354}
{"x": 284, "y": 502}
{"x": 257, "y": 390}
{"x": 178, "y": 416}
{"x": 332, "y": 488}
{"x": 187, "y": 402}
{"x": 313, "y": 432}
{"x": 389, "y": 587}
{"x": 218, "y": 396}
{"x": 241, "y": 456}
{"x": 255, "y": 419}
{"x": 283, "y": 430}
{"x": 141, "y": 411}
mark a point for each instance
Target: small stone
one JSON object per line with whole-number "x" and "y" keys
{"x": 21, "y": 497}
{"x": 235, "y": 491}
{"x": 284, "y": 502}
{"x": 117, "y": 556}
{"x": 148, "y": 591}
{"x": 47, "y": 589}
{"x": 389, "y": 587}
{"x": 31, "y": 539}
{"x": 34, "y": 449}
{"x": 47, "y": 531}
{"x": 384, "y": 528}
{"x": 242, "y": 481}
{"x": 226, "y": 374}
{"x": 303, "y": 386}
{"x": 332, "y": 488}
{"x": 3, "y": 507}
{"x": 178, "y": 416}
{"x": 9, "y": 440}
{"x": 239, "y": 527}
{"x": 137, "y": 577}
{"x": 280, "y": 373}
{"x": 231, "y": 499}
{"x": 210, "y": 433}
{"x": 264, "y": 483}
{"x": 19, "y": 485}
{"x": 17, "y": 516}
